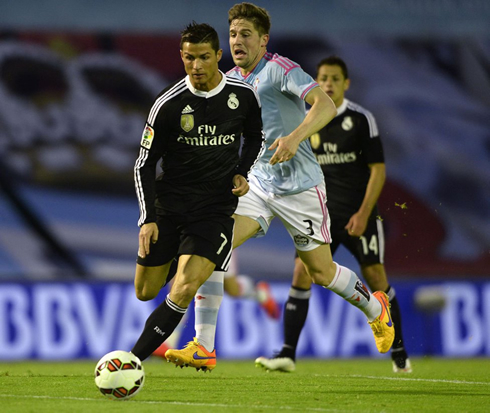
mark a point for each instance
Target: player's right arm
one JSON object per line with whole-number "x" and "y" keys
{"x": 253, "y": 137}
{"x": 288, "y": 77}
{"x": 152, "y": 148}
{"x": 372, "y": 151}
{"x": 322, "y": 112}
{"x": 358, "y": 222}
{"x": 144, "y": 177}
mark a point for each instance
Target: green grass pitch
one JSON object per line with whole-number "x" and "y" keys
{"x": 354, "y": 385}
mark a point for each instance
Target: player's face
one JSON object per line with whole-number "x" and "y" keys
{"x": 247, "y": 46}
{"x": 201, "y": 64}
{"x": 333, "y": 83}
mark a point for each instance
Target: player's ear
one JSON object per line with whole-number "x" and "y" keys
{"x": 219, "y": 54}
{"x": 346, "y": 84}
{"x": 264, "y": 40}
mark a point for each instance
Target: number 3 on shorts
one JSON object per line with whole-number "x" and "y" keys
{"x": 223, "y": 244}
{"x": 309, "y": 228}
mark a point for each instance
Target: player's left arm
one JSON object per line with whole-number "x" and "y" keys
{"x": 253, "y": 141}
{"x": 322, "y": 111}
{"x": 358, "y": 222}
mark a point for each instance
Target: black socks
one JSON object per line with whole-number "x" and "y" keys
{"x": 295, "y": 312}
{"x": 158, "y": 327}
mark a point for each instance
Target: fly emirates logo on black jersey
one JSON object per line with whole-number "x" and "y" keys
{"x": 206, "y": 136}
{"x": 332, "y": 156}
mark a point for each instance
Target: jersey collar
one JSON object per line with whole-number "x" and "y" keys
{"x": 342, "y": 108}
{"x": 212, "y": 92}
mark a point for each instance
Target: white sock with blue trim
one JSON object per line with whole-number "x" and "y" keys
{"x": 207, "y": 302}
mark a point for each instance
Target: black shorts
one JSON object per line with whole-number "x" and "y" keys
{"x": 210, "y": 237}
{"x": 368, "y": 249}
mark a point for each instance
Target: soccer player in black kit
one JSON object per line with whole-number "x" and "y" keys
{"x": 194, "y": 127}
{"x": 350, "y": 153}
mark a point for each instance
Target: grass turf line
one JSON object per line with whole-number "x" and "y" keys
{"x": 354, "y": 385}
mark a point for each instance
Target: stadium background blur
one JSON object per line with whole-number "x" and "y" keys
{"x": 76, "y": 81}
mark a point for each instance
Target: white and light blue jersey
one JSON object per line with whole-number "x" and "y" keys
{"x": 282, "y": 86}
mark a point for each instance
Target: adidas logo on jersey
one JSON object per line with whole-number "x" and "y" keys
{"x": 187, "y": 109}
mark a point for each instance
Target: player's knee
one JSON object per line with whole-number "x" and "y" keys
{"x": 145, "y": 294}
{"x": 317, "y": 276}
{"x": 183, "y": 294}
{"x": 232, "y": 287}
{"x": 375, "y": 277}
{"x": 299, "y": 269}
{"x": 233, "y": 293}
{"x": 324, "y": 275}
{"x": 301, "y": 278}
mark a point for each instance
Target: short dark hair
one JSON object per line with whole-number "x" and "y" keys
{"x": 257, "y": 15}
{"x": 333, "y": 61}
{"x": 196, "y": 33}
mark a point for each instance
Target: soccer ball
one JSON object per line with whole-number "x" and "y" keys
{"x": 119, "y": 375}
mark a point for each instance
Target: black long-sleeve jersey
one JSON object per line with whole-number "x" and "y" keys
{"x": 198, "y": 136}
{"x": 344, "y": 148}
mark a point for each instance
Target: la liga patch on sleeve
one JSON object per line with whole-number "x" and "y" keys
{"x": 147, "y": 138}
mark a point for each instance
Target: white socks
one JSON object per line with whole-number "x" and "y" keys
{"x": 350, "y": 287}
{"x": 207, "y": 302}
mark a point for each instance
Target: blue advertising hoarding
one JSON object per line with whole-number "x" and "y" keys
{"x": 56, "y": 321}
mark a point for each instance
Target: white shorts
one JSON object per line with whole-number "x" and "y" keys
{"x": 305, "y": 215}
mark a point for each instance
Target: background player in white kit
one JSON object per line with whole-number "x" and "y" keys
{"x": 287, "y": 183}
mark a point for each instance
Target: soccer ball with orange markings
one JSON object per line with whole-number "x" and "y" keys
{"x": 119, "y": 375}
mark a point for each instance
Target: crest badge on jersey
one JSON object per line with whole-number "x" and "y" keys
{"x": 301, "y": 240}
{"x": 187, "y": 122}
{"x": 147, "y": 138}
{"x": 233, "y": 102}
{"x": 347, "y": 123}
{"x": 315, "y": 140}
